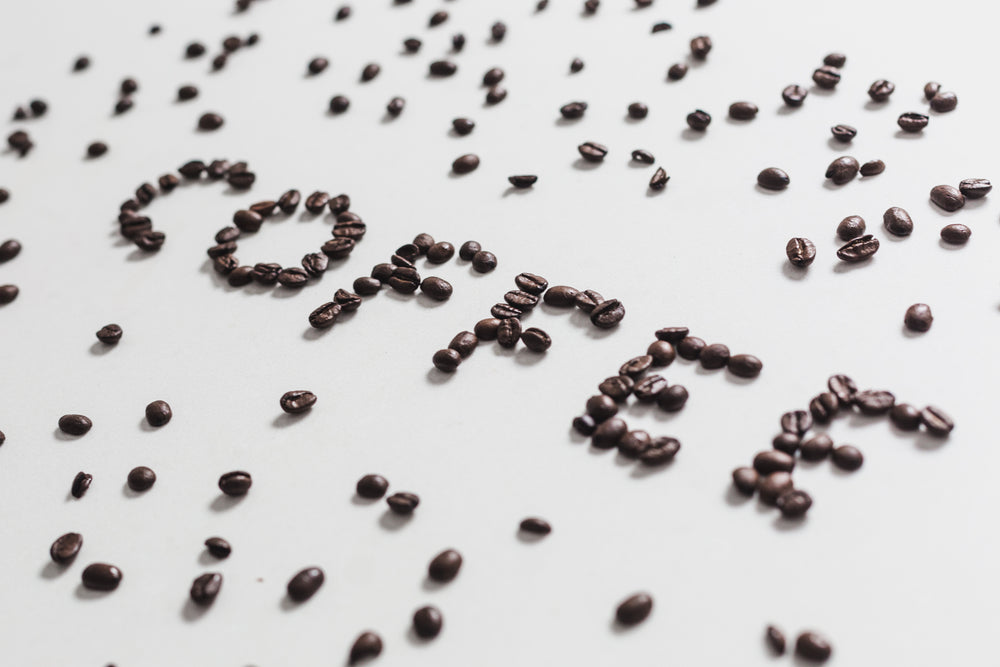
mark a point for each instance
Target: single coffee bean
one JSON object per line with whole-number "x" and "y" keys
{"x": 437, "y": 18}
{"x": 487, "y": 329}
{"x": 843, "y": 133}
{"x": 372, "y": 487}
{"x": 936, "y": 421}
{"x": 80, "y": 485}
{"x": 773, "y": 486}
{"x": 745, "y": 365}
{"x": 535, "y": 526}
{"x": 918, "y": 317}
{"x": 316, "y": 202}
{"x": 659, "y": 179}
{"x": 794, "y": 95}
{"x": 498, "y": 31}
{"x": 847, "y": 457}
{"x": 343, "y": 13}
{"x": 531, "y": 284}
{"x": 235, "y": 483}
{"x": 338, "y": 248}
{"x": 496, "y": 95}
{"x": 801, "y": 252}
{"x": 637, "y": 111}
{"x": 305, "y": 583}
{"x": 872, "y": 168}
{"x": 826, "y": 77}
{"x": 931, "y": 88}
{"x": 508, "y": 332}
{"x": 634, "y": 609}
{"x": 880, "y": 90}
{"x": 210, "y": 121}
{"x": 231, "y": 44}
{"x": 222, "y": 249}
{"x": 743, "y": 110}
{"x": 297, "y": 401}
{"x": 505, "y": 311}
{"x": 314, "y": 264}
{"x": 403, "y": 503}
{"x": 714, "y": 356}
{"x": 395, "y": 106}
{"x": 912, "y": 121}
{"x": 325, "y": 316}
{"x": 662, "y": 352}
{"x": 835, "y": 59}
{"x": 412, "y": 45}
{"x": 468, "y": 250}
{"x": 445, "y": 566}
{"x": 634, "y": 443}
{"x": 773, "y": 178}
{"x": 133, "y": 226}
{"x": 955, "y": 234}
{"x": 851, "y": 227}
{"x": 816, "y": 448}
{"x": 661, "y": 26}
{"x": 648, "y": 388}
{"x": 440, "y": 252}
{"x": 427, "y": 622}
{"x": 150, "y": 241}
{"x": 370, "y": 71}
{"x": 464, "y": 343}
{"x": 349, "y": 227}
{"x": 97, "y": 149}
{"x": 366, "y": 286}
{"x": 145, "y": 193}
{"x": 109, "y": 334}
{"x": 536, "y": 340}
{"x": 787, "y": 443}
{"x": 248, "y": 221}
{"x": 794, "y": 504}
{"x": 773, "y": 460}
{"x": 592, "y": 151}
{"x": 289, "y": 202}
{"x": 843, "y": 388}
{"x": 690, "y": 347}
{"x": 218, "y": 547}
{"x": 339, "y": 104}
{"x": 465, "y": 164}
{"x": 672, "y": 335}
{"x": 745, "y": 480}
{"x": 446, "y": 360}
{"x": 8, "y": 293}
{"x": 944, "y": 102}
{"x": 64, "y": 550}
{"x": 206, "y": 588}
{"x": 590, "y": 6}
{"x": 561, "y": 296}
{"x": 700, "y": 47}
{"x": 493, "y": 76}
{"x": 775, "y": 639}
{"x": 811, "y": 646}
{"x": 575, "y": 65}
{"x": 443, "y": 68}
{"x": 463, "y": 126}
{"x": 947, "y": 197}
{"x": 217, "y": 169}
{"x": 673, "y": 398}
{"x": 859, "y": 249}
{"x": 660, "y": 452}
{"x": 677, "y": 71}
{"x": 796, "y": 421}
{"x": 436, "y": 288}
{"x": 975, "y": 188}
{"x": 601, "y": 407}
{"x": 317, "y": 65}
{"x": 423, "y": 242}
{"x": 168, "y": 182}
{"x": 293, "y": 277}
{"x": 587, "y": 300}
{"x": 101, "y": 577}
{"x": 636, "y": 366}
{"x": 573, "y": 110}
{"x": 158, "y": 413}
{"x": 607, "y": 314}
{"x": 484, "y": 261}
{"x": 75, "y": 424}
{"x": 905, "y": 417}
{"x": 699, "y": 120}
{"x": 842, "y": 170}
{"x": 609, "y": 433}
{"x": 897, "y": 221}
{"x": 617, "y": 387}
{"x": 81, "y": 63}
{"x": 584, "y": 425}
{"x": 192, "y": 170}
{"x": 367, "y": 646}
{"x": 824, "y": 407}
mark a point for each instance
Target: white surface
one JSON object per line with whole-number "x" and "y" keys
{"x": 896, "y": 563}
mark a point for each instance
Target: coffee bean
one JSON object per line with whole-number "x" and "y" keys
{"x": 745, "y": 480}
{"x": 931, "y": 88}
{"x": 339, "y": 248}
{"x": 423, "y": 243}
{"x": 773, "y": 178}
{"x": 80, "y": 485}
{"x": 192, "y": 170}
{"x": 206, "y": 588}
{"x": 575, "y": 65}
{"x": 370, "y": 71}
{"x": 465, "y": 164}
{"x": 168, "y": 182}
{"x": 297, "y": 401}
{"x": 826, "y": 77}
{"x": 403, "y": 503}
{"x": 316, "y": 202}
{"x": 348, "y": 301}
{"x": 700, "y": 47}
{"x": 496, "y": 95}
{"x": 395, "y": 106}
{"x": 794, "y": 504}
{"x": 607, "y": 314}
{"x": 775, "y": 639}
{"x": 947, "y": 197}
{"x": 443, "y": 68}
{"x": 635, "y": 609}
{"x": 796, "y": 421}
{"x": 493, "y": 76}
{"x": 412, "y": 45}
{"x": 573, "y": 110}
{"x": 110, "y": 334}
{"x": 289, "y": 202}
{"x": 847, "y": 457}
{"x": 561, "y": 296}
{"x": 609, "y": 433}
{"x": 463, "y": 126}
{"x": 659, "y": 179}
{"x": 859, "y": 249}
{"x": 590, "y": 6}
{"x": 235, "y": 483}
{"x": 842, "y": 170}
{"x": 445, "y": 566}
{"x": 368, "y": 645}
{"x": 801, "y": 252}
{"x": 437, "y": 18}
{"x": 484, "y": 261}
{"x": 317, "y": 65}
{"x": 487, "y": 329}
{"x": 835, "y": 59}
{"x": 404, "y": 280}
{"x": 636, "y": 366}
{"x": 677, "y": 71}
{"x": 535, "y": 526}
{"x": 601, "y": 407}
{"x": 975, "y": 188}
{"x": 372, "y": 487}
{"x": 133, "y": 226}
{"x": 743, "y": 110}
{"x": 811, "y": 646}
{"x": 325, "y": 316}
{"x": 745, "y": 365}
{"x": 145, "y": 193}
{"x": 585, "y": 425}
{"x": 468, "y": 250}
{"x": 637, "y": 111}
{"x": 440, "y": 252}
{"x": 248, "y": 221}
{"x": 672, "y": 398}
{"x": 427, "y": 622}
{"x": 232, "y": 44}
{"x": 158, "y": 413}
{"x": 457, "y": 42}
{"x": 661, "y": 26}
{"x": 773, "y": 486}
{"x": 505, "y": 311}
{"x": 617, "y": 387}
{"x": 794, "y": 95}
{"x": 824, "y": 407}
{"x": 936, "y": 421}
{"x": 672, "y": 335}
{"x": 350, "y": 226}
{"x": 436, "y": 288}
{"x": 217, "y": 169}
{"x": 343, "y": 13}
{"x": 75, "y": 424}
{"x": 918, "y": 317}
{"x": 97, "y": 149}
{"x": 714, "y": 356}
{"x": 660, "y": 452}
{"x": 912, "y": 122}
{"x": 897, "y": 221}
{"x": 64, "y": 550}
{"x": 218, "y": 547}
{"x": 305, "y": 583}
{"x": 314, "y": 264}
{"x": 8, "y": 293}
{"x": 587, "y": 300}
{"x": 944, "y": 102}
{"x": 339, "y": 104}
{"x": 536, "y": 340}
{"x": 643, "y": 156}
{"x": 773, "y": 460}
{"x": 698, "y": 120}
{"x": 508, "y": 332}
{"x": 690, "y": 347}
{"x": 592, "y": 151}
{"x": 81, "y": 63}
{"x": 880, "y": 90}
{"x": 955, "y": 234}
{"x": 150, "y": 241}
{"x": 851, "y": 227}
{"x": 816, "y": 448}
{"x": 647, "y": 389}
{"x": 843, "y": 133}
{"x": 210, "y": 121}
{"x": 521, "y": 300}
{"x": 787, "y": 443}
{"x": 101, "y": 577}
{"x": 905, "y": 417}
{"x": 634, "y": 443}
{"x": 293, "y": 277}
{"x": 662, "y": 352}
{"x": 366, "y": 286}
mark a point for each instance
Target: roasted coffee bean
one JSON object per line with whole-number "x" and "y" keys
{"x": 210, "y": 121}
{"x": 436, "y": 288}
{"x": 8, "y": 293}
{"x": 289, "y": 202}
{"x": 835, "y": 59}
{"x": 824, "y": 407}
{"x": 504, "y": 311}
{"x": 80, "y": 484}
{"x": 133, "y": 226}
{"x": 293, "y": 277}
{"x": 206, "y": 588}
{"x": 698, "y": 120}
{"x": 918, "y": 317}
{"x": 368, "y": 645}
{"x": 403, "y": 503}
{"x": 487, "y": 329}
{"x": 192, "y": 170}
{"x": 97, "y": 149}
{"x": 317, "y": 201}
{"x": 661, "y": 26}
{"x": 496, "y": 95}
{"x": 975, "y": 188}
{"x": 880, "y": 90}
{"x": 348, "y": 301}
{"x": 231, "y": 44}
{"x": 897, "y": 221}
{"x": 498, "y": 31}
{"x": 592, "y": 151}
{"x": 745, "y": 365}
{"x": 217, "y": 169}
{"x": 662, "y": 352}
{"x": 843, "y": 388}
{"x": 297, "y": 401}
{"x": 75, "y": 424}
{"x": 168, "y": 182}
{"x": 690, "y": 347}
{"x": 843, "y": 133}
{"x": 851, "y": 227}
{"x": 931, "y": 88}
{"x": 235, "y": 483}
{"x": 561, "y": 296}
{"x": 465, "y": 164}
{"x": 617, "y": 387}
{"x": 64, "y": 550}
{"x": 773, "y": 460}
{"x": 636, "y": 366}
{"x": 745, "y": 480}
{"x": 794, "y": 95}
{"x": 405, "y": 255}
{"x": 325, "y": 316}
{"x": 339, "y": 104}
{"x": 443, "y": 68}
{"x": 773, "y": 486}
{"x": 872, "y": 168}
{"x": 493, "y": 76}
{"x": 601, "y": 407}
{"x": 248, "y": 221}
{"x": 700, "y": 47}
{"x": 912, "y": 121}
{"x": 19, "y": 140}
{"x": 787, "y": 443}
{"x": 944, "y": 102}
{"x": 158, "y": 413}
{"x": 427, "y": 622}
{"x": 955, "y": 234}
{"x": 794, "y": 504}
{"x": 535, "y": 526}
{"x": 317, "y": 65}
{"x": 531, "y": 283}
{"x": 637, "y": 111}
{"x": 508, "y": 332}
{"x": 404, "y": 280}
{"x": 677, "y": 71}
{"x": 575, "y": 65}
{"x": 947, "y": 197}
{"x": 264, "y": 209}
{"x": 145, "y": 193}
{"x": 423, "y": 242}
{"x": 395, "y": 106}
{"x": 796, "y": 421}
{"x": 218, "y": 547}
{"x": 348, "y": 227}
{"x": 536, "y": 340}
{"x": 773, "y": 178}
{"x": 305, "y": 583}
{"x": 412, "y": 45}
{"x": 672, "y": 335}
{"x": 101, "y": 577}
{"x": 464, "y": 343}
{"x": 81, "y": 63}
{"x": 584, "y": 425}
{"x": 484, "y": 261}
{"x": 936, "y": 421}
{"x": 468, "y": 250}
{"x": 743, "y": 110}
{"x": 859, "y": 249}
{"x": 842, "y": 170}
{"x": 608, "y": 433}
{"x": 905, "y": 417}
{"x": 343, "y": 13}
{"x": 372, "y": 487}
{"x": 714, "y": 356}
{"x": 847, "y": 457}
{"x": 811, "y": 646}
{"x": 370, "y": 71}
{"x": 446, "y": 360}
{"x": 816, "y": 448}
{"x": 109, "y": 334}
{"x": 775, "y": 639}
{"x": 661, "y": 451}
{"x": 150, "y": 241}
{"x": 634, "y": 443}
{"x": 314, "y": 264}
{"x": 241, "y": 180}
{"x": 801, "y": 252}
{"x": 463, "y": 126}
{"x": 440, "y": 252}
{"x": 826, "y": 77}
{"x": 241, "y": 276}
{"x": 590, "y": 6}
{"x": 366, "y": 286}
{"x": 659, "y": 179}
{"x": 219, "y": 61}
{"x": 445, "y": 566}
{"x": 648, "y": 388}
{"x": 573, "y": 110}
{"x": 672, "y": 398}
{"x": 635, "y": 609}
{"x": 338, "y": 248}
{"x": 437, "y": 18}
{"x": 607, "y": 314}
{"x": 587, "y": 300}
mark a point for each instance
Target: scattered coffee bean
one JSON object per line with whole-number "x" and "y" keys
{"x": 842, "y": 170}
{"x": 505, "y": 311}
{"x": 601, "y": 407}
{"x": 587, "y": 300}
{"x": 297, "y": 401}
{"x": 8, "y": 293}
{"x": 218, "y": 547}
{"x": 81, "y": 63}
{"x": 745, "y": 365}
{"x": 794, "y": 95}
{"x": 677, "y": 71}
{"x": 463, "y": 126}
{"x": 811, "y": 646}
{"x": 801, "y": 252}
{"x": 370, "y": 71}
{"x": 745, "y": 480}
{"x": 607, "y": 314}
{"x": 487, "y": 329}
{"x": 317, "y": 65}
{"x": 457, "y": 42}
{"x": 847, "y": 457}
{"x": 936, "y": 421}
{"x": 366, "y": 286}
{"x": 305, "y": 583}
{"x": 824, "y": 407}
{"x": 714, "y": 356}
{"x": 64, "y": 550}
{"x": 609, "y": 433}
{"x": 947, "y": 197}
{"x": 436, "y": 288}
{"x": 843, "y": 388}
{"x": 918, "y": 317}
{"x": 101, "y": 577}
{"x": 395, "y": 106}
{"x": 897, "y": 221}
{"x": 843, "y": 133}
{"x": 912, "y": 122}
{"x": 235, "y": 483}
{"x": 368, "y": 645}
{"x": 773, "y": 178}
{"x": 743, "y": 111}
{"x": 617, "y": 387}
{"x": 859, "y": 249}
{"x": 905, "y": 417}
{"x": 494, "y": 76}
{"x": 699, "y": 120}
{"x": 637, "y": 111}
{"x": 590, "y": 6}
{"x": 690, "y": 347}
{"x": 535, "y": 526}
{"x": 773, "y": 460}
{"x": 794, "y": 504}
{"x": 944, "y": 102}
{"x": 955, "y": 234}
{"x": 343, "y": 13}
{"x": 437, "y": 18}
{"x": 775, "y": 639}
{"x": 465, "y": 164}
{"x": 700, "y": 47}
{"x": 109, "y": 334}
{"x": 661, "y": 26}
{"x": 835, "y": 59}
{"x": 851, "y": 227}
{"x": 660, "y": 452}
{"x": 446, "y": 360}
{"x": 672, "y": 335}
{"x": 673, "y": 398}
{"x": 372, "y": 487}
{"x": 464, "y": 343}
{"x": 880, "y": 90}
{"x": 210, "y": 121}
{"x": 635, "y": 609}
{"x": 403, "y": 503}
{"x": 536, "y": 340}
{"x": 158, "y": 413}
{"x": 816, "y": 448}
{"x": 339, "y": 104}
{"x": 826, "y": 77}
{"x": 592, "y": 151}
{"x": 649, "y": 388}
{"x": 662, "y": 353}
{"x": 561, "y": 296}
{"x": 80, "y": 485}
{"x": 636, "y": 366}
{"x": 575, "y": 65}
{"x": 445, "y": 566}
{"x": 206, "y": 588}
{"x": 427, "y": 622}
{"x": 75, "y": 424}
{"x": 787, "y": 442}
{"x": 484, "y": 261}
{"x": 874, "y": 401}
{"x": 975, "y": 188}
{"x": 585, "y": 425}
{"x": 97, "y": 149}
{"x": 773, "y": 486}
{"x": 796, "y": 421}
{"x": 496, "y": 95}
{"x": 412, "y": 45}
{"x": 443, "y": 68}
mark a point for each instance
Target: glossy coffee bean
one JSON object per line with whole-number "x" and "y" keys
{"x": 690, "y": 347}
{"x": 297, "y": 401}
{"x": 673, "y": 398}
{"x": 773, "y": 178}
{"x": 787, "y": 442}
{"x": 773, "y": 460}
{"x": 824, "y": 407}
{"x": 607, "y": 314}
{"x": 609, "y": 433}
{"x": 794, "y": 95}
{"x": 944, "y": 102}
{"x": 446, "y": 360}
{"x": 743, "y": 110}
{"x": 912, "y": 122}
{"x": 745, "y": 365}
{"x": 403, "y": 503}
{"x": 649, "y": 388}
{"x": 773, "y": 486}
{"x": 794, "y": 504}
{"x": 536, "y": 340}
{"x": 508, "y": 332}
{"x": 561, "y": 296}
{"x": 372, "y": 487}
{"x": 81, "y": 483}
{"x": 367, "y": 646}
{"x": 851, "y": 227}
{"x": 445, "y": 566}
{"x": 880, "y": 90}
{"x": 305, "y": 583}
{"x": 65, "y": 549}
{"x": 796, "y": 421}
{"x": 618, "y": 387}
{"x": 859, "y": 249}
{"x": 101, "y": 577}
{"x": 634, "y": 609}
{"x": 847, "y": 457}
{"x": 905, "y": 417}
{"x": 141, "y": 478}
{"x": 109, "y": 334}
{"x": 427, "y": 622}
{"x": 662, "y": 353}
{"x": 714, "y": 356}
{"x": 955, "y": 234}
{"x": 236, "y": 483}
{"x": 218, "y": 547}
{"x": 872, "y": 168}
{"x": 206, "y": 588}
{"x": 918, "y": 318}
{"x": 484, "y": 261}
{"x": 843, "y": 170}
{"x": 936, "y": 421}
{"x": 826, "y": 77}
{"x": 535, "y": 526}
{"x": 816, "y": 448}
{"x": 947, "y": 197}
{"x": 843, "y": 133}
{"x": 812, "y": 646}
{"x": 75, "y": 424}
{"x": 745, "y": 480}
{"x": 874, "y": 402}
{"x": 800, "y": 252}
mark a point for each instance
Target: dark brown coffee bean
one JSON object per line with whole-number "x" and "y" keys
{"x": 240, "y": 276}
{"x": 659, "y": 179}
{"x": 607, "y": 314}
{"x": 851, "y": 227}
{"x": 673, "y": 398}
{"x": 800, "y": 251}
{"x": 843, "y": 388}
{"x": 955, "y": 234}
{"x": 743, "y": 110}
{"x": 343, "y": 13}
{"x": 97, "y": 149}
{"x": 617, "y": 387}
{"x": 372, "y": 487}
{"x": 158, "y": 413}
{"x": 145, "y": 193}
{"x": 573, "y": 110}
{"x": 463, "y": 126}
{"x": 872, "y": 168}
{"x": 905, "y": 417}
{"x": 348, "y": 301}
{"x": 496, "y": 95}
{"x": 536, "y": 340}
{"x": 843, "y": 133}
{"x": 918, "y": 317}
{"x": 436, "y": 288}
{"x": 217, "y": 169}
{"x": 649, "y": 388}
{"x": 80, "y": 485}
{"x": 897, "y": 221}
{"x": 247, "y": 221}
{"x": 745, "y": 365}
{"x": 443, "y": 68}
{"x": 81, "y": 63}
{"x": 235, "y": 483}
{"x": 592, "y": 151}
{"x": 412, "y": 45}
{"x": 575, "y": 65}
{"x": 826, "y": 77}
{"x": 714, "y": 356}
{"x": 975, "y": 188}
{"x": 75, "y": 424}
{"x": 487, "y": 329}
{"x": 403, "y": 503}
{"x": 440, "y": 252}
{"x": 690, "y": 347}
{"x": 880, "y": 90}
{"x": 672, "y": 335}
{"x": 493, "y": 76}
{"x": 811, "y": 646}
{"x": 133, "y": 226}
{"x": 464, "y": 343}
{"x": 636, "y": 366}
{"x": 218, "y": 547}
{"x": 677, "y": 71}
{"x": 912, "y": 121}
{"x": 608, "y": 433}
{"x": 407, "y": 252}
{"x": 504, "y": 311}
{"x": 219, "y": 61}
{"x": 660, "y": 452}
{"x": 931, "y": 88}
{"x": 484, "y": 261}
{"x": 339, "y": 104}
{"x": 700, "y": 47}
{"x": 446, "y": 360}
{"x": 101, "y": 577}
{"x": 773, "y": 460}
{"x": 465, "y": 164}
{"x": 590, "y": 6}
{"x": 794, "y": 504}
{"x": 206, "y": 588}
{"x": 367, "y": 646}
{"x": 64, "y": 550}
{"x": 297, "y": 401}
{"x": 561, "y": 296}
{"x": 531, "y": 283}
{"x": 366, "y": 286}
{"x": 192, "y": 170}
{"x": 637, "y": 111}
{"x": 317, "y": 201}
{"x": 587, "y": 300}
{"x": 325, "y": 316}
{"x": 370, "y": 71}
{"x": 289, "y": 202}
{"x": 8, "y": 293}
{"x": 859, "y": 249}
{"x": 947, "y": 197}
{"x": 944, "y": 102}
{"x": 584, "y": 425}
{"x": 796, "y": 421}
{"x": 445, "y": 566}
{"x": 110, "y": 334}
{"x": 522, "y": 181}
{"x": 847, "y": 457}
{"x": 293, "y": 277}
{"x": 773, "y": 178}
{"x": 351, "y": 228}
{"x": 427, "y": 622}
{"x": 745, "y": 480}
{"x": 395, "y": 106}
{"x": 816, "y": 448}
{"x": 210, "y": 121}
{"x": 314, "y": 264}
{"x": 241, "y": 180}
{"x": 794, "y": 95}
{"x": 787, "y": 443}
{"x": 634, "y": 443}
{"x": 404, "y": 280}
{"x": 305, "y": 583}
{"x": 508, "y": 332}
{"x": 936, "y": 421}
{"x": 521, "y": 300}
{"x": 635, "y": 609}
{"x": 773, "y": 486}
{"x": 843, "y": 170}
{"x": 835, "y": 59}
{"x": 338, "y": 248}
{"x": 168, "y": 182}
{"x": 317, "y": 65}
{"x": 661, "y": 26}
{"x": 469, "y": 250}
{"x": 150, "y": 241}
{"x": 662, "y": 352}
{"x": 231, "y": 44}
{"x": 699, "y": 120}
{"x": 775, "y": 639}
{"x": 824, "y": 407}
{"x": 535, "y": 526}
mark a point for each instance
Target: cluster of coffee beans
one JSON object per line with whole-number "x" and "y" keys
{"x": 36, "y": 109}
{"x": 808, "y": 646}
{"x": 951, "y": 199}
{"x": 230, "y": 45}
{"x": 127, "y": 87}
{"x": 20, "y": 142}
{"x": 9, "y": 249}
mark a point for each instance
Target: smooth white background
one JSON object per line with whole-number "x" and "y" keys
{"x": 896, "y": 563}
